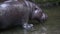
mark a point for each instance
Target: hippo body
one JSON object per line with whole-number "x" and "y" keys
{"x": 18, "y": 13}
{"x": 13, "y": 13}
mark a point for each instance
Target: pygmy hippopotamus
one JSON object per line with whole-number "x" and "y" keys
{"x": 18, "y": 12}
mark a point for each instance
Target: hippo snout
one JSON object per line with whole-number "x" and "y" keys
{"x": 44, "y": 17}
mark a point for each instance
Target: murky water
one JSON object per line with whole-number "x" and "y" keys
{"x": 52, "y": 25}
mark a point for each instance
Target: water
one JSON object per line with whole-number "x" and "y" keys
{"x": 52, "y": 25}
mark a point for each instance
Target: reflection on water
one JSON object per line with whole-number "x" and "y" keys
{"x": 38, "y": 29}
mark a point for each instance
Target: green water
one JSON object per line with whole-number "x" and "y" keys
{"x": 52, "y": 24}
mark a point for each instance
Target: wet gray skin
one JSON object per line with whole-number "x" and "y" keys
{"x": 13, "y": 12}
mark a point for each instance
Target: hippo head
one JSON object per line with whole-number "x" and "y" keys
{"x": 39, "y": 15}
